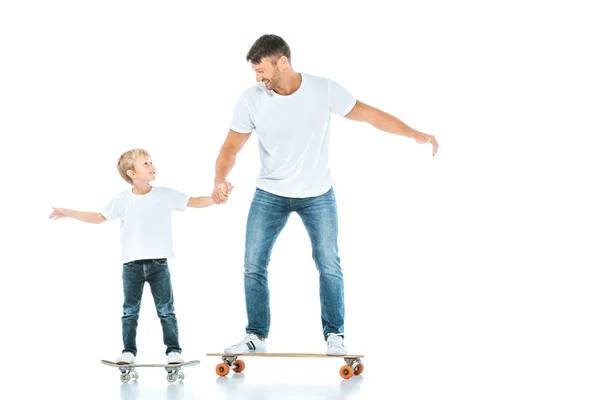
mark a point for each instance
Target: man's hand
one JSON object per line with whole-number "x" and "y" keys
{"x": 421, "y": 137}
{"x": 58, "y": 213}
{"x": 221, "y": 192}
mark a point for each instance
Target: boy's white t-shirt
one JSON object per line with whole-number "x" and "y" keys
{"x": 146, "y": 222}
{"x": 293, "y": 134}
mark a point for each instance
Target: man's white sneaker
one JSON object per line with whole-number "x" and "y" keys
{"x": 126, "y": 358}
{"x": 250, "y": 344}
{"x": 335, "y": 345}
{"x": 174, "y": 357}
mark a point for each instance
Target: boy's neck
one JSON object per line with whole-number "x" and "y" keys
{"x": 141, "y": 188}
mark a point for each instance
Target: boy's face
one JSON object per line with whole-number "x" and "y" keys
{"x": 144, "y": 170}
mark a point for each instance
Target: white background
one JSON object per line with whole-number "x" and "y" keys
{"x": 472, "y": 274}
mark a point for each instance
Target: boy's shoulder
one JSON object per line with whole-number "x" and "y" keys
{"x": 120, "y": 196}
{"x": 161, "y": 189}
{"x": 156, "y": 191}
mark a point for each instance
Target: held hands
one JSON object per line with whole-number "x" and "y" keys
{"x": 421, "y": 137}
{"x": 221, "y": 192}
{"x": 58, "y": 213}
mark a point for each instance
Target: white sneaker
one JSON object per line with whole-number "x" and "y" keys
{"x": 126, "y": 358}
{"x": 250, "y": 344}
{"x": 174, "y": 357}
{"x": 335, "y": 345}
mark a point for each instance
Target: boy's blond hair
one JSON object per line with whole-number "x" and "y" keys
{"x": 127, "y": 162}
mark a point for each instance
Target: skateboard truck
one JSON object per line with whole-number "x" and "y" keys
{"x": 128, "y": 371}
{"x": 230, "y": 362}
{"x": 354, "y": 367}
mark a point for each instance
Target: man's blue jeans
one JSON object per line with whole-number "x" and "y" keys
{"x": 267, "y": 216}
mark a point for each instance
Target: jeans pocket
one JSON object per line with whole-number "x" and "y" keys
{"x": 160, "y": 261}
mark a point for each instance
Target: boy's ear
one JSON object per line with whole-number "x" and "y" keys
{"x": 130, "y": 173}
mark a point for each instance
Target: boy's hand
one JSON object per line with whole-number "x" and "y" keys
{"x": 58, "y": 213}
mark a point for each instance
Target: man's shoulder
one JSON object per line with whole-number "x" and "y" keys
{"x": 255, "y": 90}
{"x": 315, "y": 79}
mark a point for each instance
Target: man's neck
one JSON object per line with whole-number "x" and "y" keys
{"x": 290, "y": 84}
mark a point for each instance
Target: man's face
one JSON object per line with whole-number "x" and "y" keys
{"x": 267, "y": 73}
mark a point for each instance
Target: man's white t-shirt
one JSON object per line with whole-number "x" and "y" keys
{"x": 146, "y": 222}
{"x": 293, "y": 134}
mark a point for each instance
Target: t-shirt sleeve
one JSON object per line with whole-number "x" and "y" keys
{"x": 113, "y": 209}
{"x": 178, "y": 200}
{"x": 242, "y": 118}
{"x": 340, "y": 100}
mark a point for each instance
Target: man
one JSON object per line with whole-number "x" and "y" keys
{"x": 290, "y": 113}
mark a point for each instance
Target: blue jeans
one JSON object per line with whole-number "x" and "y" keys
{"x": 267, "y": 216}
{"x": 156, "y": 273}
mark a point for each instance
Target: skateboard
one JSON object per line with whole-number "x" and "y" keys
{"x": 173, "y": 370}
{"x": 230, "y": 361}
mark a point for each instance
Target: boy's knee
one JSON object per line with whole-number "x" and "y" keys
{"x": 165, "y": 310}
{"x": 131, "y": 311}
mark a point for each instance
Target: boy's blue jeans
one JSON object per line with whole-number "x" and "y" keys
{"x": 156, "y": 273}
{"x": 267, "y": 216}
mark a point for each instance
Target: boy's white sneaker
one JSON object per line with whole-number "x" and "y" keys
{"x": 126, "y": 358}
{"x": 335, "y": 345}
{"x": 174, "y": 357}
{"x": 250, "y": 344}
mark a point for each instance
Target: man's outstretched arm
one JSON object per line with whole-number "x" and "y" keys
{"x": 388, "y": 123}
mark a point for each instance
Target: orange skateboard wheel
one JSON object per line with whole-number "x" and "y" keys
{"x": 346, "y": 372}
{"x": 222, "y": 369}
{"x": 239, "y": 366}
{"x": 359, "y": 369}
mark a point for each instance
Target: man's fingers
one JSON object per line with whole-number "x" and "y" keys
{"x": 226, "y": 189}
{"x": 435, "y": 145}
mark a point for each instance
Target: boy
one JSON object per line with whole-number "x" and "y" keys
{"x": 146, "y": 243}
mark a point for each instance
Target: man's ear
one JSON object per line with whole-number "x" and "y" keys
{"x": 283, "y": 62}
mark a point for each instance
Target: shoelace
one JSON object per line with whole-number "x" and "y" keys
{"x": 248, "y": 338}
{"x": 334, "y": 339}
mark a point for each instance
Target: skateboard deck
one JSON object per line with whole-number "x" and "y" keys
{"x": 173, "y": 370}
{"x": 231, "y": 361}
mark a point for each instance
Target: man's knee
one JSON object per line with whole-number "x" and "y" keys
{"x": 255, "y": 262}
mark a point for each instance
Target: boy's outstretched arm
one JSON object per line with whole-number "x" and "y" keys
{"x": 90, "y": 217}
{"x": 205, "y": 201}
{"x": 200, "y": 202}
